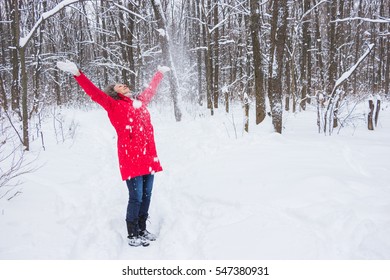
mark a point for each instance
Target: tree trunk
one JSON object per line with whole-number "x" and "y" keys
{"x": 57, "y": 88}
{"x": 259, "y": 93}
{"x": 387, "y": 66}
{"x": 246, "y": 112}
{"x": 15, "y": 18}
{"x": 208, "y": 59}
{"x": 216, "y": 56}
{"x": 357, "y": 43}
{"x": 370, "y": 115}
{"x": 123, "y": 38}
{"x": 305, "y": 46}
{"x": 3, "y": 96}
{"x": 278, "y": 39}
{"x": 209, "y": 73}
{"x": 38, "y": 65}
{"x": 332, "y": 49}
{"x": 130, "y": 36}
{"x": 319, "y": 60}
{"x": 167, "y": 55}
{"x": 198, "y": 29}
{"x": 387, "y": 69}
{"x": 104, "y": 43}
{"x": 339, "y": 41}
{"x": 22, "y": 55}
{"x": 288, "y": 88}
{"x": 18, "y": 58}
{"x": 378, "y": 108}
{"x": 382, "y": 47}
{"x": 309, "y": 90}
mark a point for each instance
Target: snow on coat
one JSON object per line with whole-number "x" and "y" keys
{"x": 131, "y": 119}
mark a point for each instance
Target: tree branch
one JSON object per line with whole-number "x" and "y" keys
{"x": 363, "y": 19}
{"x": 23, "y": 41}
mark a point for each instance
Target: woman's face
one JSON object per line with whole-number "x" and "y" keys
{"x": 122, "y": 89}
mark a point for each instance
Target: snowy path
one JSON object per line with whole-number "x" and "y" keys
{"x": 263, "y": 196}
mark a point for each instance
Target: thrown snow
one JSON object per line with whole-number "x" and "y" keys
{"x": 300, "y": 195}
{"x": 161, "y": 32}
{"x": 137, "y": 104}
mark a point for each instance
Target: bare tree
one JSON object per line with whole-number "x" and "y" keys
{"x": 167, "y": 54}
{"x": 257, "y": 62}
{"x": 278, "y": 38}
{"x": 216, "y": 63}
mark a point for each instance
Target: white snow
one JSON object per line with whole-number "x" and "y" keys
{"x": 299, "y": 195}
{"x": 137, "y": 104}
{"x": 68, "y": 66}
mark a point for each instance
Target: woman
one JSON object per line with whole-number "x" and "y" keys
{"x": 137, "y": 154}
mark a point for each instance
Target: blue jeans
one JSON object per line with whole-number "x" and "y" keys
{"x": 140, "y": 193}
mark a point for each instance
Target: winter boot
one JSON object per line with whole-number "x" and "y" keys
{"x": 133, "y": 238}
{"x": 142, "y": 229}
{"x": 148, "y": 235}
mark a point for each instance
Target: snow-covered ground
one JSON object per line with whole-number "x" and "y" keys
{"x": 299, "y": 195}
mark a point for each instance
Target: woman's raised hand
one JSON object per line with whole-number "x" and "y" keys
{"x": 68, "y": 66}
{"x": 163, "y": 69}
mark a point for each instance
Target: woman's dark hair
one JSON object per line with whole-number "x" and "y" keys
{"x": 109, "y": 90}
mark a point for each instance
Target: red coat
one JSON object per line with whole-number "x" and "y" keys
{"x": 131, "y": 120}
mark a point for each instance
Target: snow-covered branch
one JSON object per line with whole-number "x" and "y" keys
{"x": 128, "y": 11}
{"x": 348, "y": 73}
{"x": 217, "y": 26}
{"x": 384, "y": 20}
{"x": 310, "y": 10}
{"x": 23, "y": 41}
{"x": 332, "y": 107}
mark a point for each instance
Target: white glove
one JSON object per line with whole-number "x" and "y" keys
{"x": 68, "y": 66}
{"x": 163, "y": 69}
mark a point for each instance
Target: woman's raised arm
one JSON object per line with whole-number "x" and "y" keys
{"x": 93, "y": 91}
{"x": 150, "y": 91}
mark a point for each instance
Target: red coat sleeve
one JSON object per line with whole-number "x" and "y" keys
{"x": 94, "y": 92}
{"x": 150, "y": 91}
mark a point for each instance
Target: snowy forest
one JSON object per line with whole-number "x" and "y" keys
{"x": 289, "y": 52}
{"x": 269, "y": 58}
